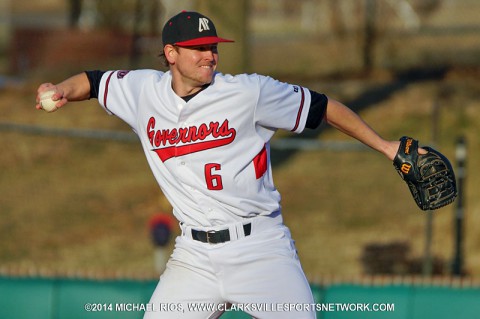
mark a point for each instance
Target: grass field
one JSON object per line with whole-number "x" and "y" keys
{"x": 78, "y": 205}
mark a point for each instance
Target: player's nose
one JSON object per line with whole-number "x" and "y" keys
{"x": 210, "y": 52}
{"x": 209, "y": 55}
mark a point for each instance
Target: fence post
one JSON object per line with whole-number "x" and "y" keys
{"x": 427, "y": 267}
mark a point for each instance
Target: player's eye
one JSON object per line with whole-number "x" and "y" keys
{"x": 205, "y": 48}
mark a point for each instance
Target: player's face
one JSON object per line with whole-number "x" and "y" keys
{"x": 196, "y": 65}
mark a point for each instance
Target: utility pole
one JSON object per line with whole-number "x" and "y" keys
{"x": 461, "y": 156}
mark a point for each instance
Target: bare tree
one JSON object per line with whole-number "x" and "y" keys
{"x": 74, "y": 13}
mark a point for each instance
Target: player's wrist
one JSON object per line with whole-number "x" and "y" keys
{"x": 390, "y": 149}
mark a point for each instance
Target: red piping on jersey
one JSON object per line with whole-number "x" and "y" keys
{"x": 299, "y": 115}
{"x": 260, "y": 163}
{"x": 106, "y": 90}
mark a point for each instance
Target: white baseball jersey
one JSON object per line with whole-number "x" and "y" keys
{"x": 210, "y": 155}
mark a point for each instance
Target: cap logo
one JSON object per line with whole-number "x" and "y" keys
{"x": 203, "y": 24}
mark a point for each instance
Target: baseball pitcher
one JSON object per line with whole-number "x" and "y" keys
{"x": 206, "y": 138}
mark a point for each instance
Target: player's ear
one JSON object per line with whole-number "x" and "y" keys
{"x": 170, "y": 52}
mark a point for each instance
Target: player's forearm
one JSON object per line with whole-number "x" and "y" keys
{"x": 75, "y": 88}
{"x": 344, "y": 119}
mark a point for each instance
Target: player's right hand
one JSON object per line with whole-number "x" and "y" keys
{"x": 58, "y": 96}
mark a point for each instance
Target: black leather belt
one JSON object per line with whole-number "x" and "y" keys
{"x": 217, "y": 236}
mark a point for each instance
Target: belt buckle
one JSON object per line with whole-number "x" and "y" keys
{"x": 210, "y": 232}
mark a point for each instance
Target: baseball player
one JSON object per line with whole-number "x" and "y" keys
{"x": 206, "y": 138}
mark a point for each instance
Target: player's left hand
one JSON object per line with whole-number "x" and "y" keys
{"x": 429, "y": 176}
{"x": 393, "y": 149}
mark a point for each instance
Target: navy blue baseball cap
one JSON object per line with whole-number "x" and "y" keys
{"x": 190, "y": 29}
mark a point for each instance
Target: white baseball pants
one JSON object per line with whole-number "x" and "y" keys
{"x": 259, "y": 274}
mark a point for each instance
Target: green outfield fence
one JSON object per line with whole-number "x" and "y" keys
{"x": 77, "y": 298}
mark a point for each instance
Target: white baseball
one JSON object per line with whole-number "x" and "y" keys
{"x": 46, "y": 101}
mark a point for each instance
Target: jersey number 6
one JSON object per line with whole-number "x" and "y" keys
{"x": 214, "y": 181}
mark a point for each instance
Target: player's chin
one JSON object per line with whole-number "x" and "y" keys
{"x": 206, "y": 74}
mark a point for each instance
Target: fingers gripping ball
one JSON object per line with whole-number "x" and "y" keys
{"x": 47, "y": 103}
{"x": 429, "y": 176}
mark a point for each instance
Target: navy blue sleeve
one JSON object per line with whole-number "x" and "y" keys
{"x": 318, "y": 108}
{"x": 94, "y": 78}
